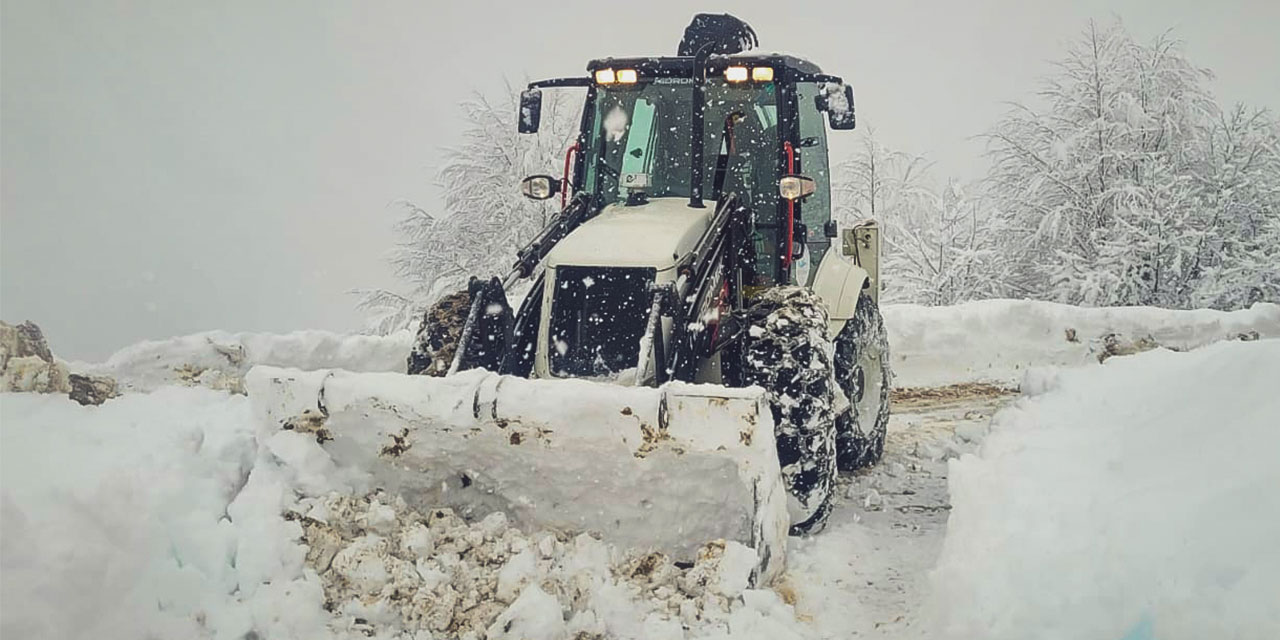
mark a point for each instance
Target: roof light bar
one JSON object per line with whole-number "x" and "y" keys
{"x": 733, "y": 74}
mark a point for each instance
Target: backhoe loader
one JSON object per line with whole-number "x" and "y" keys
{"x": 700, "y": 350}
{"x": 695, "y": 245}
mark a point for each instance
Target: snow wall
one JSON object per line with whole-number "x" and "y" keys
{"x": 221, "y": 359}
{"x": 666, "y": 469}
{"x": 986, "y": 341}
{"x": 1136, "y": 500}
{"x": 997, "y": 340}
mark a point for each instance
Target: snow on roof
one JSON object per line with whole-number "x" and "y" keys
{"x": 789, "y": 60}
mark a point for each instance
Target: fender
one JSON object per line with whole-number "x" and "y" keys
{"x": 845, "y": 273}
{"x": 839, "y": 282}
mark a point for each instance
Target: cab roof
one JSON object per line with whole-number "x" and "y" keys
{"x": 786, "y": 67}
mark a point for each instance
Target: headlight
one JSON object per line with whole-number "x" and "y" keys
{"x": 793, "y": 187}
{"x": 539, "y": 187}
{"x": 735, "y": 74}
{"x": 605, "y": 76}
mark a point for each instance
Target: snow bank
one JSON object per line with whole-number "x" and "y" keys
{"x": 132, "y": 519}
{"x": 996, "y": 340}
{"x": 219, "y": 359}
{"x": 1135, "y": 500}
{"x": 171, "y": 515}
{"x": 985, "y": 341}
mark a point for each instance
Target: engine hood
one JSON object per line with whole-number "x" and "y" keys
{"x": 655, "y": 234}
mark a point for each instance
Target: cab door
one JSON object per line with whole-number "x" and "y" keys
{"x": 812, "y": 160}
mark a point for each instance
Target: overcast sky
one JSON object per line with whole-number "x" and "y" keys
{"x": 169, "y": 167}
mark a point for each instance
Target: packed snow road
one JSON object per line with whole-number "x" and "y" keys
{"x": 1129, "y": 500}
{"x": 867, "y": 574}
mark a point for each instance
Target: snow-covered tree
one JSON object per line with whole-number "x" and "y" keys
{"x": 938, "y": 246}
{"x": 1239, "y": 184}
{"x": 878, "y": 182}
{"x": 1123, "y": 188}
{"x": 481, "y": 220}
{"x": 950, "y": 255}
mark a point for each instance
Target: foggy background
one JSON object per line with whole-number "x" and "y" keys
{"x": 173, "y": 167}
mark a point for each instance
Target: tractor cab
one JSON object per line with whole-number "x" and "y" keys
{"x": 665, "y": 144}
{"x": 701, "y": 128}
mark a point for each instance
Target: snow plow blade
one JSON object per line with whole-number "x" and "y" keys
{"x": 667, "y": 468}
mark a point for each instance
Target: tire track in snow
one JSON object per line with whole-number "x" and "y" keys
{"x": 866, "y": 575}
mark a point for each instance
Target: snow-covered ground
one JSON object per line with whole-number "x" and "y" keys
{"x": 1134, "y": 497}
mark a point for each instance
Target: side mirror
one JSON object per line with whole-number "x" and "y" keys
{"x": 837, "y": 101}
{"x": 530, "y": 110}
{"x": 539, "y": 187}
{"x": 795, "y": 187}
{"x": 830, "y": 229}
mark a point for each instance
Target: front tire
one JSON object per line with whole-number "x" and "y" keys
{"x": 438, "y": 335}
{"x": 862, "y": 371}
{"x": 787, "y": 352}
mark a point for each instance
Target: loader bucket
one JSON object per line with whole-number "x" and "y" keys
{"x": 666, "y": 468}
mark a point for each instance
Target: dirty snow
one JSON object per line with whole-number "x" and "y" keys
{"x": 388, "y": 568}
{"x": 563, "y": 454}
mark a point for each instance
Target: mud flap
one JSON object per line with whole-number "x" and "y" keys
{"x": 667, "y": 468}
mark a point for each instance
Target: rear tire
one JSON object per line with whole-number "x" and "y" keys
{"x": 787, "y": 352}
{"x": 438, "y": 335}
{"x": 862, "y": 371}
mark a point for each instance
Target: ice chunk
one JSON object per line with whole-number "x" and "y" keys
{"x": 513, "y": 577}
{"x": 535, "y": 615}
{"x": 363, "y": 563}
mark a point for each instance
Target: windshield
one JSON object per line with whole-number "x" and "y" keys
{"x": 641, "y": 137}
